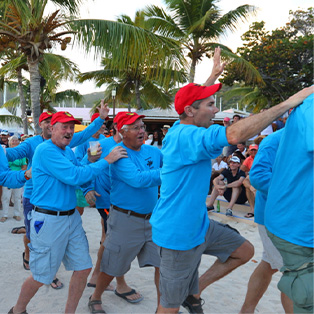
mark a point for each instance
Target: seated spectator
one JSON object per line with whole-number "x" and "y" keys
{"x": 241, "y": 147}
{"x": 238, "y": 154}
{"x": 229, "y": 184}
{"x": 217, "y": 169}
{"x": 250, "y": 190}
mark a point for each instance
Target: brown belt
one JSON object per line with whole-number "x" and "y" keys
{"x": 131, "y": 213}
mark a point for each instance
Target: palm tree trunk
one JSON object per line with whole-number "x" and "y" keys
{"x": 35, "y": 91}
{"x": 138, "y": 95}
{"x": 22, "y": 100}
{"x": 192, "y": 70}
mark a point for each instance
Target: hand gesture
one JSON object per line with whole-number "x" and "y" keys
{"x": 117, "y": 153}
{"x": 103, "y": 110}
{"x": 91, "y": 197}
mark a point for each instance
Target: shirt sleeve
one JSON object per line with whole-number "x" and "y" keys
{"x": 19, "y": 152}
{"x": 8, "y": 178}
{"x": 83, "y": 136}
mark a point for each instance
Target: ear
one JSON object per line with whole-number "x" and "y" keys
{"x": 189, "y": 111}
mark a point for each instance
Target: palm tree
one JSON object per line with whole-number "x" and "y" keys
{"x": 133, "y": 84}
{"x": 198, "y": 24}
{"x": 24, "y": 22}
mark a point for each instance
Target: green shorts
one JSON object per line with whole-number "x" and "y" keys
{"x": 80, "y": 199}
{"x": 297, "y": 279}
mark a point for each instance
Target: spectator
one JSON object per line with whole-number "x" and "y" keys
{"x": 241, "y": 147}
{"x": 149, "y": 139}
{"x": 250, "y": 190}
{"x": 226, "y": 121}
{"x": 4, "y": 138}
{"x": 16, "y": 194}
{"x": 157, "y": 139}
{"x": 217, "y": 169}
{"x": 165, "y": 129}
{"x": 229, "y": 184}
{"x": 236, "y": 118}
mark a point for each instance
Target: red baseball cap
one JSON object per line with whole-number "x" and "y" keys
{"x": 63, "y": 117}
{"x": 45, "y": 115}
{"x": 192, "y": 92}
{"x": 253, "y": 146}
{"x": 126, "y": 118}
{"x": 95, "y": 116}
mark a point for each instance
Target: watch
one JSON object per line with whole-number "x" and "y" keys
{"x": 26, "y": 177}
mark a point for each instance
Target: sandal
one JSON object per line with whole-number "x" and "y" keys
{"x": 25, "y": 262}
{"x": 91, "y": 307}
{"x": 18, "y": 230}
{"x": 193, "y": 305}
{"x": 125, "y": 295}
{"x": 55, "y": 281}
{"x": 11, "y": 311}
{"x": 249, "y": 215}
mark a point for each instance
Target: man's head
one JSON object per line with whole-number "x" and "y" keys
{"x": 62, "y": 128}
{"x": 4, "y": 137}
{"x": 196, "y": 105}
{"x": 236, "y": 118}
{"x": 234, "y": 163}
{"x": 132, "y": 129}
{"x": 44, "y": 124}
{"x": 253, "y": 148}
{"x": 165, "y": 129}
{"x": 241, "y": 146}
{"x": 219, "y": 158}
{"x": 226, "y": 121}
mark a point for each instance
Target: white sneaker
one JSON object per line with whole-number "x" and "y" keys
{"x": 229, "y": 212}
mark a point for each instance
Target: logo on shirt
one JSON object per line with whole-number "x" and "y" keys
{"x": 149, "y": 162}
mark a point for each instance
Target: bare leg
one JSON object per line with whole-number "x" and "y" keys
{"x": 286, "y": 303}
{"x": 213, "y": 197}
{"x": 76, "y": 288}
{"x": 258, "y": 284}
{"x": 103, "y": 281}
{"x": 249, "y": 194}
{"x": 28, "y": 290}
{"x": 164, "y": 310}
{"x": 157, "y": 284}
{"x": 234, "y": 196}
{"x": 218, "y": 270}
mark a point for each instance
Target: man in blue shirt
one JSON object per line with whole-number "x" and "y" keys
{"x": 56, "y": 227}
{"x": 133, "y": 195}
{"x": 179, "y": 221}
{"x": 289, "y": 206}
{"x": 27, "y": 149}
{"x": 260, "y": 176}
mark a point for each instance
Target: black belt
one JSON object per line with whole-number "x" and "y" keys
{"x": 55, "y": 213}
{"x": 131, "y": 213}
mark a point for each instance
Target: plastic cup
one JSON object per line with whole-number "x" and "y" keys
{"x": 93, "y": 147}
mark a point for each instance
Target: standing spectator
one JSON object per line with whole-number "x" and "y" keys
{"x": 5, "y": 138}
{"x": 232, "y": 189}
{"x": 289, "y": 207}
{"x": 165, "y": 129}
{"x": 226, "y": 121}
{"x": 157, "y": 139}
{"x": 16, "y": 194}
{"x": 236, "y": 118}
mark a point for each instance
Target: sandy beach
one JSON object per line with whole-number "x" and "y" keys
{"x": 224, "y": 296}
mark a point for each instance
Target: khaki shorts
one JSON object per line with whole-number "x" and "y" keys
{"x": 127, "y": 237}
{"x": 179, "y": 269}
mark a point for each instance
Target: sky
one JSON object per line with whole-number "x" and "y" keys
{"x": 274, "y": 13}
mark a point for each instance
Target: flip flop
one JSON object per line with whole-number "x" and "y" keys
{"x": 16, "y": 230}
{"x": 25, "y": 262}
{"x": 55, "y": 281}
{"x": 124, "y": 296}
{"x": 249, "y": 215}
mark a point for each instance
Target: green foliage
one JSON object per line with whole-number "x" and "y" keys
{"x": 284, "y": 58}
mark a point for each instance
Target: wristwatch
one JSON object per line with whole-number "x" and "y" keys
{"x": 26, "y": 177}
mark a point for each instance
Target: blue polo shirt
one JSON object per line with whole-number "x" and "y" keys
{"x": 289, "y": 206}
{"x": 261, "y": 172}
{"x": 135, "y": 180}
{"x": 180, "y": 220}
{"x": 56, "y": 173}
{"x": 28, "y": 147}
{"x": 8, "y": 178}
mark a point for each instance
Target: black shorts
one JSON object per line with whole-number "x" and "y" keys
{"x": 241, "y": 199}
{"x": 104, "y": 216}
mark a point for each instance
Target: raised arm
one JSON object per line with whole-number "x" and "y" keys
{"x": 248, "y": 127}
{"x": 218, "y": 68}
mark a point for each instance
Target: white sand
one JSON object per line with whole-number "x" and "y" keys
{"x": 224, "y": 296}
